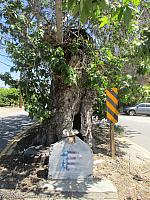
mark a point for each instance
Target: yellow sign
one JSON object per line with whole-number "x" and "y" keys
{"x": 112, "y": 105}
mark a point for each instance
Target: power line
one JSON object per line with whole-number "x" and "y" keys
{"x": 4, "y": 55}
{"x": 5, "y": 64}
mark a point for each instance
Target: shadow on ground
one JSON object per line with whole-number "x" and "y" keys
{"x": 19, "y": 175}
{"x": 11, "y": 126}
{"x": 16, "y": 173}
{"x": 129, "y": 133}
{"x": 76, "y": 189}
{"x": 102, "y": 141}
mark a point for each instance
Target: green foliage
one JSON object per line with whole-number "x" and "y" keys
{"x": 146, "y": 93}
{"x": 31, "y": 42}
{"x": 134, "y": 94}
{"x": 9, "y": 96}
{"x": 103, "y": 11}
{"x": 100, "y": 106}
{"x": 6, "y": 77}
{"x": 113, "y": 74}
{"x": 58, "y": 64}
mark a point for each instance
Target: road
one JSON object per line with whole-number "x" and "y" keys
{"x": 137, "y": 129}
{"x": 12, "y": 122}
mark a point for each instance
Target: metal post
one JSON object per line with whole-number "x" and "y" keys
{"x": 112, "y": 141}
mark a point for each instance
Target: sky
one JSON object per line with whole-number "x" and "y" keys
{"x": 5, "y": 65}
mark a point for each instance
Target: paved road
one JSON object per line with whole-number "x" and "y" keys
{"x": 137, "y": 129}
{"x": 12, "y": 121}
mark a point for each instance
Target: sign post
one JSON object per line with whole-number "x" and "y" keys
{"x": 112, "y": 115}
{"x": 112, "y": 141}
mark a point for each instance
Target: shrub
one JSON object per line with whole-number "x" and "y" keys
{"x": 9, "y": 96}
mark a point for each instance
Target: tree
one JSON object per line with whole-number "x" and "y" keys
{"x": 65, "y": 52}
{"x": 59, "y": 21}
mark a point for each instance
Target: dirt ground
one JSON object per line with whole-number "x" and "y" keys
{"x": 132, "y": 179}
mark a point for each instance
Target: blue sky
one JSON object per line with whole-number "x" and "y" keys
{"x": 5, "y": 64}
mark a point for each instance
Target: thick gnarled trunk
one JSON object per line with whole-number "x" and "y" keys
{"x": 72, "y": 110}
{"x": 71, "y": 105}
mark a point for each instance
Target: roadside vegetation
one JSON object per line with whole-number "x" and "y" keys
{"x": 9, "y": 96}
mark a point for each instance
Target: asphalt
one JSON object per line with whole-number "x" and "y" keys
{"x": 137, "y": 129}
{"x": 133, "y": 152}
{"x": 12, "y": 122}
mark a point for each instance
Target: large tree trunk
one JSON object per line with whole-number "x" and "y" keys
{"x": 71, "y": 105}
{"x": 72, "y": 109}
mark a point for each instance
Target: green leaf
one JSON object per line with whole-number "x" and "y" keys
{"x": 127, "y": 15}
{"x": 75, "y": 10}
{"x": 136, "y": 2}
{"x": 104, "y": 20}
{"x": 81, "y": 5}
{"x": 85, "y": 8}
{"x": 126, "y": 1}
{"x": 120, "y": 13}
{"x": 71, "y": 3}
{"x": 103, "y": 4}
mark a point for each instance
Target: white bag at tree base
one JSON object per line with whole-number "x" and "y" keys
{"x": 71, "y": 161}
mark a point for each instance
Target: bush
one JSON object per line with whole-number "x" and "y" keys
{"x": 9, "y": 96}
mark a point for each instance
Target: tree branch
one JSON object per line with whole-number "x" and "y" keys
{"x": 59, "y": 21}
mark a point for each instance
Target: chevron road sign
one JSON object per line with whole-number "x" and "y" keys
{"x": 112, "y": 115}
{"x": 112, "y": 105}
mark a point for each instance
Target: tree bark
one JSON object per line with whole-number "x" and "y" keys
{"x": 59, "y": 21}
{"x": 67, "y": 103}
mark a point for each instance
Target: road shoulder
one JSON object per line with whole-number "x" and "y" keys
{"x": 133, "y": 151}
